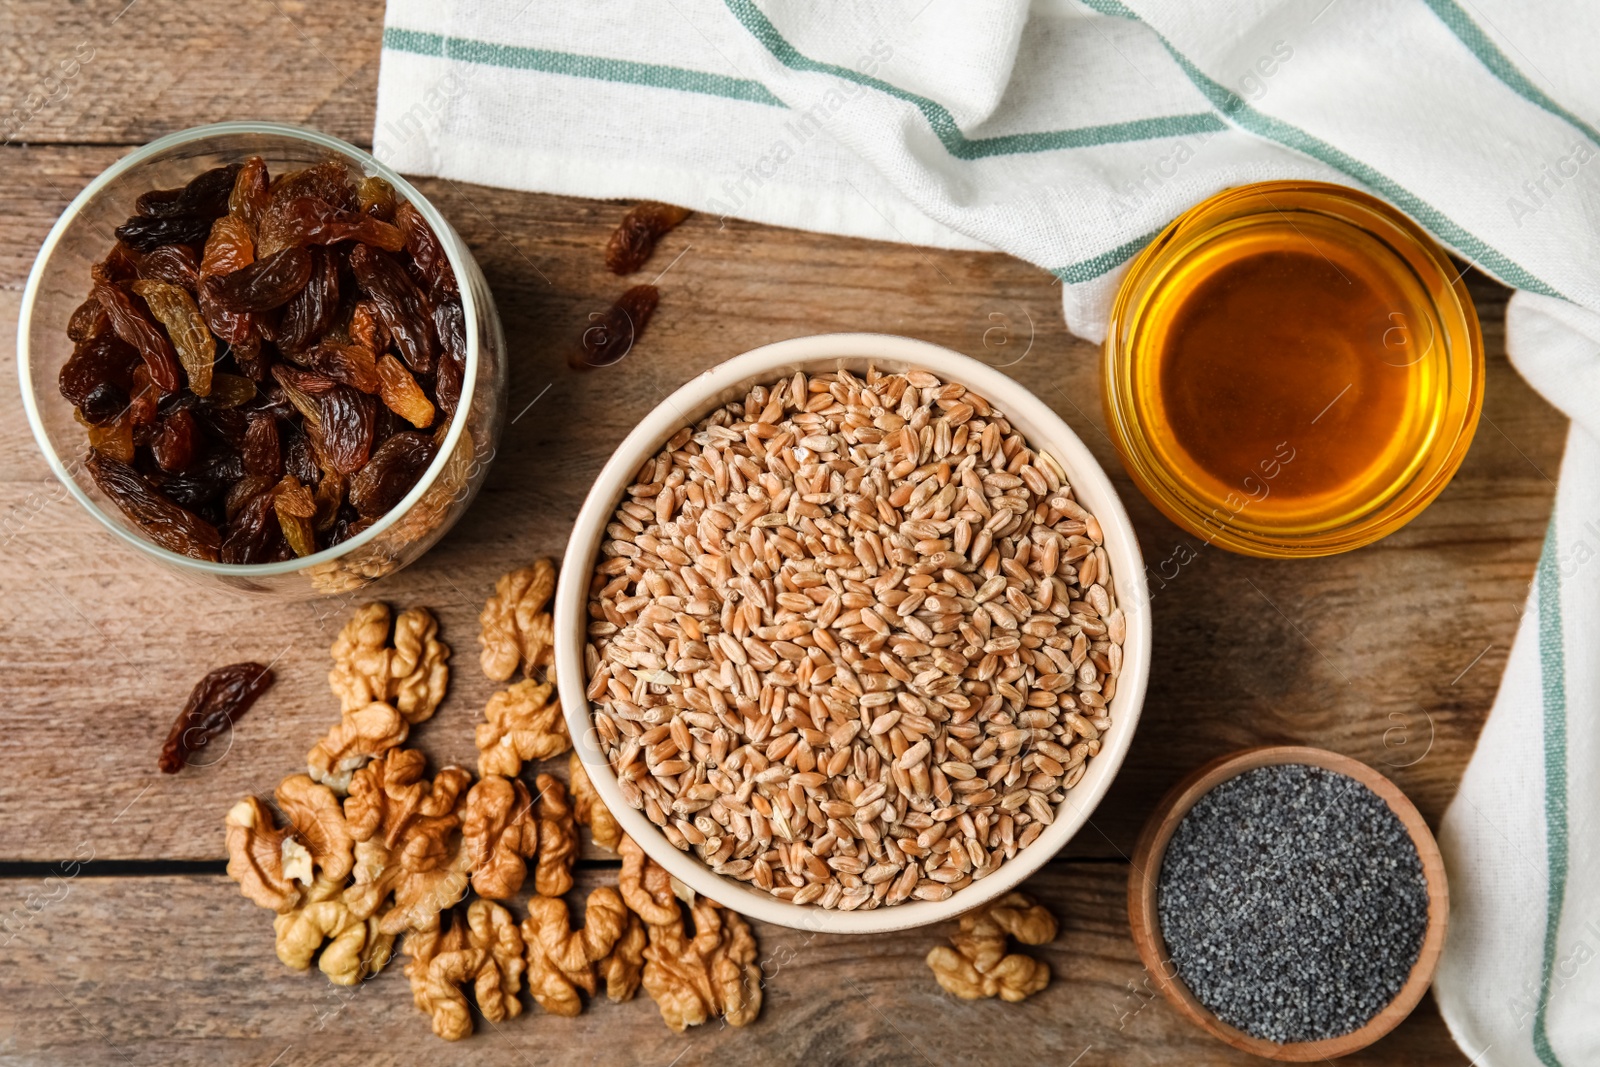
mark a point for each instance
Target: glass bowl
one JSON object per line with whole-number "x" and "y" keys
{"x": 1279, "y": 410}
{"x": 59, "y": 282}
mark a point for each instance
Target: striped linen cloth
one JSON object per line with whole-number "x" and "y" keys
{"x": 1068, "y": 134}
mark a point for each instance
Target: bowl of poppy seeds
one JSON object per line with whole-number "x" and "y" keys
{"x": 1290, "y": 901}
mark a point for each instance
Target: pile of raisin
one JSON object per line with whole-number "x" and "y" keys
{"x": 266, "y": 365}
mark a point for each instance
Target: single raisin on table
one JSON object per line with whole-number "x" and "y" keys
{"x": 614, "y": 331}
{"x": 214, "y": 705}
{"x": 636, "y": 236}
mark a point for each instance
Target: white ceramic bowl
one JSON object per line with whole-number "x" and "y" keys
{"x": 816, "y": 355}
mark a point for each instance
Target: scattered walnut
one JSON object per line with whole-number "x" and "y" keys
{"x": 561, "y": 960}
{"x": 355, "y": 948}
{"x": 714, "y": 973}
{"x": 499, "y": 834}
{"x": 362, "y": 658}
{"x": 558, "y": 838}
{"x": 515, "y": 627}
{"x": 357, "y": 738}
{"x": 272, "y": 864}
{"x": 411, "y": 674}
{"x": 623, "y": 967}
{"x": 523, "y": 723}
{"x": 419, "y": 671}
{"x": 408, "y": 840}
{"x": 590, "y": 809}
{"x": 483, "y": 949}
{"x": 645, "y": 885}
{"x": 977, "y": 965}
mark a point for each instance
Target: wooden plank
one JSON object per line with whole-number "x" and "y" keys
{"x": 121, "y": 73}
{"x": 181, "y": 970}
{"x": 1391, "y": 654}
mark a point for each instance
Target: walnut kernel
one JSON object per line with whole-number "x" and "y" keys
{"x": 522, "y": 723}
{"x": 499, "y": 834}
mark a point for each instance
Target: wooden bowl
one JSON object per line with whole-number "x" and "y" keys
{"x": 1144, "y": 918}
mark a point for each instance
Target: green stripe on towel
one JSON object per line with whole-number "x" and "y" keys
{"x": 1478, "y": 43}
{"x": 599, "y": 68}
{"x": 1553, "y": 676}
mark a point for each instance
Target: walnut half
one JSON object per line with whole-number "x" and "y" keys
{"x": 522, "y": 723}
{"x": 483, "y": 949}
{"x": 274, "y": 864}
{"x": 499, "y": 833}
{"x": 713, "y": 973}
{"x": 976, "y": 965}
{"x": 560, "y": 959}
{"x": 590, "y": 809}
{"x": 515, "y": 627}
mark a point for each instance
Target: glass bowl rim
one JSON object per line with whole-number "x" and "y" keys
{"x": 196, "y": 134}
{"x": 1378, "y": 520}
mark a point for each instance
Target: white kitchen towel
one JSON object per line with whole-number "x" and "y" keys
{"x": 1069, "y": 133}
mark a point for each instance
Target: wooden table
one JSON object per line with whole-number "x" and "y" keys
{"x": 123, "y": 942}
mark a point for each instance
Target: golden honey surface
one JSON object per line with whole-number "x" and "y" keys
{"x": 1283, "y": 372}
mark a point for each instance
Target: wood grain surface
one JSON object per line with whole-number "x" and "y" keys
{"x": 1391, "y": 654}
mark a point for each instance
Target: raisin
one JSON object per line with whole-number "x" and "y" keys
{"x": 146, "y": 233}
{"x": 398, "y": 303}
{"x": 429, "y": 264}
{"x": 450, "y": 323}
{"x": 346, "y": 429}
{"x": 113, "y": 438}
{"x": 310, "y": 313}
{"x": 296, "y": 507}
{"x": 299, "y": 459}
{"x": 230, "y": 390}
{"x": 395, "y": 468}
{"x": 131, "y": 321}
{"x": 365, "y": 329}
{"x": 329, "y": 180}
{"x": 253, "y": 531}
{"x": 120, "y": 266}
{"x": 241, "y": 492}
{"x": 206, "y": 195}
{"x": 613, "y": 332}
{"x": 248, "y": 199}
{"x": 636, "y": 236}
{"x": 213, "y": 706}
{"x": 174, "y": 264}
{"x": 265, "y": 284}
{"x": 175, "y": 309}
{"x": 172, "y": 527}
{"x": 263, "y": 455}
{"x": 97, "y": 376}
{"x": 351, "y": 364}
{"x": 307, "y": 220}
{"x": 88, "y": 321}
{"x": 375, "y": 197}
{"x": 402, "y": 394}
{"x": 229, "y": 248}
{"x": 144, "y": 399}
{"x": 329, "y": 498}
{"x": 177, "y": 442}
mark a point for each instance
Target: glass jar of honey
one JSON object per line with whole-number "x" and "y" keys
{"x": 1292, "y": 369}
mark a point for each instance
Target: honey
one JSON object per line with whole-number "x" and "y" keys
{"x": 1292, "y": 369}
